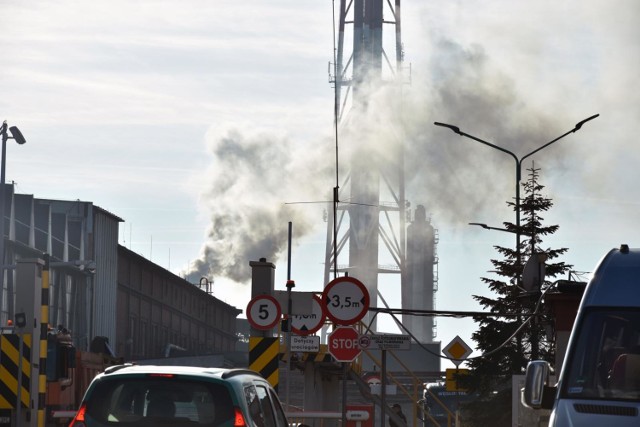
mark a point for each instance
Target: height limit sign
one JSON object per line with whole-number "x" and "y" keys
{"x": 345, "y": 300}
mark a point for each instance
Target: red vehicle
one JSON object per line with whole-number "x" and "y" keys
{"x": 69, "y": 373}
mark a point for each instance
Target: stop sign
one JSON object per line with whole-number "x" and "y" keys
{"x": 343, "y": 344}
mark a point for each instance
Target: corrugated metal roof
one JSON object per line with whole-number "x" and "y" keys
{"x": 102, "y": 210}
{"x": 185, "y": 282}
{"x": 116, "y": 217}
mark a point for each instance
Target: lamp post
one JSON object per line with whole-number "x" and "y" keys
{"x": 518, "y": 161}
{"x": 487, "y": 227}
{"x": 17, "y": 136}
{"x": 518, "y": 278}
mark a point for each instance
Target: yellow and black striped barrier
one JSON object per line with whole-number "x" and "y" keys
{"x": 263, "y": 358}
{"x": 44, "y": 323}
{"x": 15, "y": 369}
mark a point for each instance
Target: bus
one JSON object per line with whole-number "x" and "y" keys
{"x": 440, "y": 404}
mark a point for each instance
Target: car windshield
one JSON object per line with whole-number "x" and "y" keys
{"x": 157, "y": 400}
{"x": 605, "y": 363}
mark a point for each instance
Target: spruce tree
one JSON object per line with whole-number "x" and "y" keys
{"x": 505, "y": 350}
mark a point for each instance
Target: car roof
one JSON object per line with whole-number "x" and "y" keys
{"x": 208, "y": 372}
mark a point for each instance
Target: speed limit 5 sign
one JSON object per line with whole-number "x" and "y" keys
{"x": 263, "y": 312}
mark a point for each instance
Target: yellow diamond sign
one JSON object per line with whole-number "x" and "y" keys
{"x": 457, "y": 350}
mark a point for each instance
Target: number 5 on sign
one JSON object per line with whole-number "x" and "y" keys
{"x": 263, "y": 312}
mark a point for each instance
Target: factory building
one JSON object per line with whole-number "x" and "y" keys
{"x": 99, "y": 288}
{"x": 161, "y": 314}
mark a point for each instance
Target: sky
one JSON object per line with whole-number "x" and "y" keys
{"x": 200, "y": 123}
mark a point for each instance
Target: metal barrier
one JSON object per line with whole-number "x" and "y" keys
{"x": 298, "y": 419}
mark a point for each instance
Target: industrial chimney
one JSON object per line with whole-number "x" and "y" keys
{"x": 419, "y": 290}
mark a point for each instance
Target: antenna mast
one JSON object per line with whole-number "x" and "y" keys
{"x": 365, "y": 211}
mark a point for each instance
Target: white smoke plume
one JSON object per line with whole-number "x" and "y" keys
{"x": 256, "y": 180}
{"x": 255, "y": 174}
{"x": 458, "y": 180}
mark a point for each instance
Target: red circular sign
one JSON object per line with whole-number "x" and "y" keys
{"x": 307, "y": 324}
{"x": 263, "y": 312}
{"x": 345, "y": 300}
{"x": 343, "y": 344}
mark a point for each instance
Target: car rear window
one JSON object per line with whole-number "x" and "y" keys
{"x": 157, "y": 400}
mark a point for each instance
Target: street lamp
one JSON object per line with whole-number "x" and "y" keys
{"x": 486, "y": 227}
{"x": 518, "y": 161}
{"x": 17, "y": 136}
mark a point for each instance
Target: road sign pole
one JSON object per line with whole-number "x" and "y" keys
{"x": 344, "y": 393}
{"x": 290, "y": 285}
{"x": 383, "y": 386}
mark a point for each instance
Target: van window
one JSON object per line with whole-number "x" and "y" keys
{"x": 605, "y": 362}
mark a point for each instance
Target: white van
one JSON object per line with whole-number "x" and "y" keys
{"x": 599, "y": 384}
